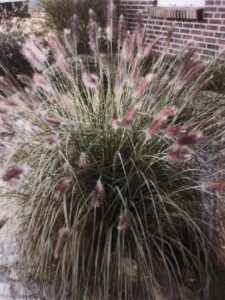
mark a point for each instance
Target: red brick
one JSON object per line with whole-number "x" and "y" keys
{"x": 209, "y": 33}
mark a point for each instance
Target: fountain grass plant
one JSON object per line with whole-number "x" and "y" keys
{"x": 105, "y": 166}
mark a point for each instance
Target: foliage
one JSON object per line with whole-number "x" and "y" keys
{"x": 109, "y": 174}
{"x": 11, "y": 58}
{"x": 59, "y": 16}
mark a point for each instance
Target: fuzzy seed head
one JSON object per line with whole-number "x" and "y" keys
{"x": 143, "y": 85}
{"x": 93, "y": 34}
{"x": 6, "y": 85}
{"x": 24, "y": 79}
{"x": 215, "y": 186}
{"x": 3, "y": 111}
{"x": 154, "y": 128}
{"x": 62, "y": 186}
{"x": 52, "y": 141}
{"x": 64, "y": 67}
{"x": 63, "y": 236}
{"x": 159, "y": 120}
{"x": 180, "y": 154}
{"x": 74, "y": 32}
{"x": 98, "y": 195}
{"x": 124, "y": 222}
{"x": 41, "y": 82}
{"x": 13, "y": 172}
{"x": 121, "y": 35}
{"x": 67, "y": 170}
{"x": 190, "y": 139}
{"x": 127, "y": 51}
{"x": 83, "y": 161}
{"x": 34, "y": 54}
{"x": 166, "y": 113}
{"x": 131, "y": 115}
{"x": 175, "y": 131}
{"x": 110, "y": 20}
{"x": 53, "y": 122}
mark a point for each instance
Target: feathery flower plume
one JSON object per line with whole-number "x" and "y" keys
{"x": 13, "y": 102}
{"x": 199, "y": 88}
{"x": 179, "y": 154}
{"x": 64, "y": 67}
{"x": 56, "y": 47}
{"x": 83, "y": 161}
{"x": 52, "y": 141}
{"x": 67, "y": 170}
{"x": 16, "y": 101}
{"x": 148, "y": 49}
{"x": 30, "y": 94}
{"x": 53, "y": 122}
{"x": 140, "y": 35}
{"x": 121, "y": 34}
{"x": 71, "y": 36}
{"x": 143, "y": 85}
{"x": 98, "y": 195}
{"x": 166, "y": 113}
{"x": 92, "y": 14}
{"x": 110, "y": 20}
{"x": 3, "y": 221}
{"x": 104, "y": 63}
{"x": 62, "y": 186}
{"x": 175, "y": 131}
{"x": 6, "y": 85}
{"x": 59, "y": 54}
{"x": 188, "y": 70}
{"x": 74, "y": 36}
{"x": 124, "y": 222}
{"x": 159, "y": 120}
{"x": 139, "y": 23}
{"x": 215, "y": 186}
{"x": 30, "y": 106}
{"x": 13, "y": 172}
{"x": 3, "y": 111}
{"x": 24, "y": 79}
{"x": 154, "y": 128}
{"x": 134, "y": 73}
{"x": 34, "y": 54}
{"x": 131, "y": 115}
{"x": 67, "y": 42}
{"x": 120, "y": 78}
{"x": 128, "y": 48}
{"x": 63, "y": 236}
{"x": 41, "y": 82}
{"x": 93, "y": 33}
{"x": 189, "y": 139}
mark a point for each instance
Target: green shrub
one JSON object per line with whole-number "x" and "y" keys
{"x": 11, "y": 58}
{"x": 110, "y": 174}
{"x": 59, "y": 14}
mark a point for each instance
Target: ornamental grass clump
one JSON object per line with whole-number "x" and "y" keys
{"x": 106, "y": 175}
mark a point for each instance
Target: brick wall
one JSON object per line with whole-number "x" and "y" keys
{"x": 208, "y": 33}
